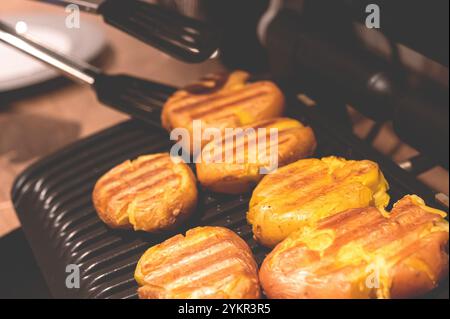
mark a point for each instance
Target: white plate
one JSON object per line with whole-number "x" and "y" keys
{"x": 18, "y": 70}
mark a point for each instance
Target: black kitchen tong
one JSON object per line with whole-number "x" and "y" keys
{"x": 140, "y": 98}
{"x": 184, "y": 38}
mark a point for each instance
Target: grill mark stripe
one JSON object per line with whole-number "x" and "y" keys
{"x": 408, "y": 250}
{"x": 354, "y": 217}
{"x": 402, "y": 252}
{"x": 183, "y": 264}
{"x": 195, "y": 243}
{"x": 314, "y": 184}
{"x": 104, "y": 184}
{"x": 243, "y": 142}
{"x": 315, "y": 190}
{"x": 118, "y": 170}
{"x": 313, "y": 173}
{"x": 211, "y": 274}
{"x": 178, "y": 253}
{"x": 406, "y": 228}
{"x": 351, "y": 216}
{"x": 309, "y": 173}
{"x": 266, "y": 154}
{"x": 403, "y": 212}
{"x": 354, "y": 236}
{"x": 222, "y": 107}
{"x": 155, "y": 160}
{"x": 212, "y": 98}
{"x": 226, "y": 115}
{"x": 283, "y": 141}
{"x": 125, "y": 184}
{"x": 147, "y": 187}
{"x": 280, "y": 141}
{"x": 267, "y": 123}
{"x": 383, "y": 237}
{"x": 166, "y": 183}
{"x": 197, "y": 103}
{"x": 220, "y": 282}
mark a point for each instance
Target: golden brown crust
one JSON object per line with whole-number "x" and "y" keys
{"x": 361, "y": 253}
{"x": 223, "y": 175}
{"x": 208, "y": 262}
{"x": 235, "y": 104}
{"x": 150, "y": 193}
{"x": 308, "y": 190}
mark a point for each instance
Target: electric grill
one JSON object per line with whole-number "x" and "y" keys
{"x": 53, "y": 196}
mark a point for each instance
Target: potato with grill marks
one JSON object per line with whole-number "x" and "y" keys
{"x": 362, "y": 253}
{"x": 221, "y": 101}
{"x": 302, "y": 193}
{"x": 206, "y": 263}
{"x": 249, "y": 154}
{"x": 151, "y": 193}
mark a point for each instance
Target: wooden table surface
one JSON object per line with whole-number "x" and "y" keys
{"x": 43, "y": 122}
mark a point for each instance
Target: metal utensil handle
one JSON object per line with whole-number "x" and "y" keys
{"x": 85, "y": 5}
{"x": 77, "y": 70}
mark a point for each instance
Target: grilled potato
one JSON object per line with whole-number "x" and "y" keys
{"x": 209, "y": 262}
{"x": 221, "y": 102}
{"x": 151, "y": 193}
{"x": 361, "y": 253}
{"x": 242, "y": 171}
{"x": 308, "y": 190}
